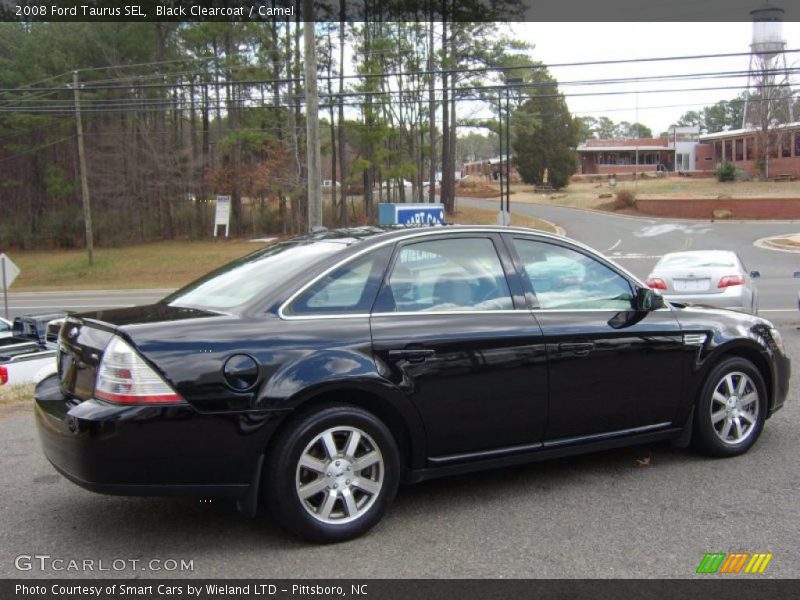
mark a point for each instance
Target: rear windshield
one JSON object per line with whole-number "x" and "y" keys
{"x": 249, "y": 278}
{"x": 710, "y": 259}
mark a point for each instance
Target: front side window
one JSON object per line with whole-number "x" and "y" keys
{"x": 565, "y": 279}
{"x": 349, "y": 289}
{"x": 460, "y": 274}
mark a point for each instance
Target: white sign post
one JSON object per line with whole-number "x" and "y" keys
{"x": 222, "y": 216}
{"x": 8, "y": 273}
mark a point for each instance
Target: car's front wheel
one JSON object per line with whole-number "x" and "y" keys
{"x": 731, "y": 409}
{"x": 332, "y": 474}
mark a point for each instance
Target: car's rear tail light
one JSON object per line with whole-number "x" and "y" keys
{"x": 3, "y": 376}
{"x": 730, "y": 280}
{"x": 123, "y": 376}
{"x": 655, "y": 283}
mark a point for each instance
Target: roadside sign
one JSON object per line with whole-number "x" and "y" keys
{"x": 10, "y": 270}
{"x": 410, "y": 214}
{"x": 222, "y": 216}
{"x": 8, "y": 273}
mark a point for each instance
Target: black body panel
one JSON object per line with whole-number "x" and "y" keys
{"x": 605, "y": 378}
{"x": 459, "y": 391}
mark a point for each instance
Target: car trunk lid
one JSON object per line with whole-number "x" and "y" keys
{"x": 84, "y": 337}
{"x": 80, "y": 349}
{"x": 694, "y": 281}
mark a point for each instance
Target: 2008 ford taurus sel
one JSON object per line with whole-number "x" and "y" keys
{"x": 318, "y": 373}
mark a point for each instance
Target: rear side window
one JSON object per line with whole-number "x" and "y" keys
{"x": 347, "y": 290}
{"x": 252, "y": 276}
{"x": 564, "y": 279}
{"x": 460, "y": 274}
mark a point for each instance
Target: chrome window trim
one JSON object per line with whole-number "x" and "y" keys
{"x": 452, "y": 312}
{"x": 435, "y": 232}
{"x": 406, "y": 314}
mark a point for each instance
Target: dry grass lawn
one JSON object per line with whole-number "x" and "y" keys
{"x": 162, "y": 264}
{"x": 15, "y": 394}
{"x": 586, "y": 195}
{"x": 466, "y": 215}
{"x": 155, "y": 265}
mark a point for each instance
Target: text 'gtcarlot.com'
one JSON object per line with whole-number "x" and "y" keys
{"x": 46, "y": 562}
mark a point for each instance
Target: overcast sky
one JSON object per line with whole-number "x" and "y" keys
{"x": 576, "y": 42}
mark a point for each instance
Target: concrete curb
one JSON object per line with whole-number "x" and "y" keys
{"x": 653, "y": 217}
{"x": 769, "y": 243}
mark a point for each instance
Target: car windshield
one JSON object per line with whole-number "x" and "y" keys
{"x": 705, "y": 259}
{"x": 245, "y": 279}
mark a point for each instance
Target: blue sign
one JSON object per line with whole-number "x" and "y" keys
{"x": 410, "y": 214}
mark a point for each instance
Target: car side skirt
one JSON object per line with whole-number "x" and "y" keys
{"x": 490, "y": 459}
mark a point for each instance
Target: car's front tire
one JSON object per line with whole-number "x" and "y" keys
{"x": 731, "y": 409}
{"x": 332, "y": 474}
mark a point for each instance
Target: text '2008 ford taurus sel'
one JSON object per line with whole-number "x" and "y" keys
{"x": 318, "y": 373}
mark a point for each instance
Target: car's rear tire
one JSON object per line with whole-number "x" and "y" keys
{"x": 332, "y": 474}
{"x": 731, "y": 409}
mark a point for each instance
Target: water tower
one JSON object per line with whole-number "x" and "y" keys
{"x": 769, "y": 93}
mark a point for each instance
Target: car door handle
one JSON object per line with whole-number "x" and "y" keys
{"x": 576, "y": 348}
{"x": 414, "y": 355}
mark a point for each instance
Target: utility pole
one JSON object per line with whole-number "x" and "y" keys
{"x": 312, "y": 120}
{"x": 87, "y": 210}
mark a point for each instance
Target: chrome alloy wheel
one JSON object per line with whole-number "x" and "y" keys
{"x": 734, "y": 408}
{"x": 339, "y": 475}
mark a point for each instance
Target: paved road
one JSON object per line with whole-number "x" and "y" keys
{"x": 637, "y": 243}
{"x": 648, "y": 511}
{"x": 21, "y": 303}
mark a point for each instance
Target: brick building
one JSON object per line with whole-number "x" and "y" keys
{"x": 740, "y": 147}
{"x": 491, "y": 169}
{"x": 672, "y": 152}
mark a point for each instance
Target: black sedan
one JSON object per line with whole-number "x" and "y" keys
{"x": 317, "y": 374}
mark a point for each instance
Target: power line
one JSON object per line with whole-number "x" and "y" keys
{"x": 376, "y": 99}
{"x": 524, "y": 85}
{"x": 483, "y": 69}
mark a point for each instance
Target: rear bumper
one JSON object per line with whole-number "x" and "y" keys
{"x": 149, "y": 451}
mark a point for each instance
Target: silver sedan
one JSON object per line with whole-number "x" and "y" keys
{"x": 710, "y": 277}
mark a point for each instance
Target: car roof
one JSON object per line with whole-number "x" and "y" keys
{"x": 385, "y": 232}
{"x": 698, "y": 254}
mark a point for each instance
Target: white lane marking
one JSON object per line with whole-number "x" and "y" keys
{"x": 760, "y": 310}
{"x": 614, "y": 246}
{"x": 663, "y": 228}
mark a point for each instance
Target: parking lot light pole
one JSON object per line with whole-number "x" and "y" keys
{"x": 501, "y": 214}
{"x": 510, "y": 81}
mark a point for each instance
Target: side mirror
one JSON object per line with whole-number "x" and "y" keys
{"x": 755, "y": 274}
{"x": 647, "y": 300}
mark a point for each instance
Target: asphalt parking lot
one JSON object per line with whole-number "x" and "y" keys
{"x": 647, "y": 511}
